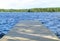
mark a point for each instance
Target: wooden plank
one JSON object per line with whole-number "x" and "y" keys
{"x": 29, "y": 31}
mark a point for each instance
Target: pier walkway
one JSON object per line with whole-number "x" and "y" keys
{"x": 29, "y": 31}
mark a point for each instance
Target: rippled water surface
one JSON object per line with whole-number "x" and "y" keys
{"x": 50, "y": 19}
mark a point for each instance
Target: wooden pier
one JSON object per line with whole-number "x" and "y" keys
{"x": 29, "y": 30}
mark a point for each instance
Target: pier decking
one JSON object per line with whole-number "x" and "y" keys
{"x": 29, "y": 31}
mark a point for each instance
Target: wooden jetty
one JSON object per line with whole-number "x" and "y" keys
{"x": 29, "y": 30}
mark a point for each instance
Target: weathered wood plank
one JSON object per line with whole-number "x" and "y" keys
{"x": 29, "y": 31}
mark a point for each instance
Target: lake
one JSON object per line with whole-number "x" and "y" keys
{"x": 49, "y": 19}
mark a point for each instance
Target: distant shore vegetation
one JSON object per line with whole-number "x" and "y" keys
{"x": 32, "y": 10}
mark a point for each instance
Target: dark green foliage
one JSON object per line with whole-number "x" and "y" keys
{"x": 32, "y": 10}
{"x": 29, "y": 10}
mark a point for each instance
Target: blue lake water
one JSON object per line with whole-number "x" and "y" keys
{"x": 50, "y": 19}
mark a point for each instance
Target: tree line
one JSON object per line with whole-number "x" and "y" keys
{"x": 32, "y": 10}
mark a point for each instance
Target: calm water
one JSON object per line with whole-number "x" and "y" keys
{"x": 50, "y": 19}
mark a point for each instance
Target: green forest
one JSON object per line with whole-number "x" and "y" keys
{"x": 32, "y": 10}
